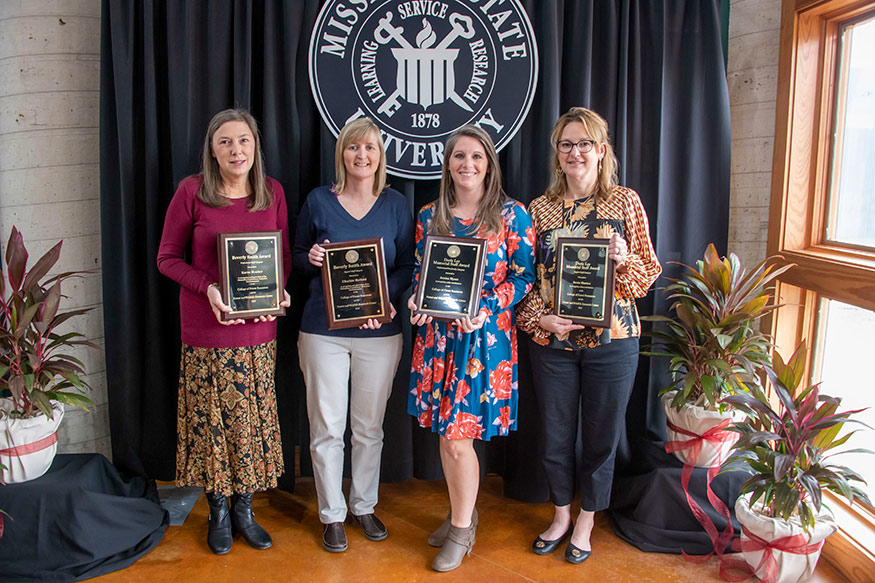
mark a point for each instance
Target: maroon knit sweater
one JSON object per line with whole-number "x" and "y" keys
{"x": 192, "y": 226}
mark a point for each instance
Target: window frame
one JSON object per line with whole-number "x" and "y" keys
{"x": 800, "y": 202}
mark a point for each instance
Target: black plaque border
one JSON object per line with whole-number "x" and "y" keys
{"x": 610, "y": 274}
{"x": 476, "y": 288}
{"x": 382, "y": 284}
{"x": 225, "y": 280}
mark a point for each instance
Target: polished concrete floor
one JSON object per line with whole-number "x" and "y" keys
{"x": 410, "y": 511}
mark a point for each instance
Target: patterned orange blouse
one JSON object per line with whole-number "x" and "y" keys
{"x": 623, "y": 214}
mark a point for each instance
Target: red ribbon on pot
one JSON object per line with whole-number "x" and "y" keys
{"x": 714, "y": 435}
{"x": 33, "y": 447}
{"x": 795, "y": 544}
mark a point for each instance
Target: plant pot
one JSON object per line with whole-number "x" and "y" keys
{"x": 790, "y": 566}
{"x": 698, "y": 420}
{"x": 27, "y": 446}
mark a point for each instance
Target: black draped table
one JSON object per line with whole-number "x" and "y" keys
{"x": 80, "y": 520}
{"x": 649, "y": 509}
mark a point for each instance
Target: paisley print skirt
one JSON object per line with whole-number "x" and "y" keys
{"x": 228, "y": 432}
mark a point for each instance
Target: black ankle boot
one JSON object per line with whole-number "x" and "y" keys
{"x": 244, "y": 522}
{"x": 219, "y": 533}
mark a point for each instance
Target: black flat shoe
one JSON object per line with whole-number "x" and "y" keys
{"x": 334, "y": 537}
{"x": 372, "y": 527}
{"x": 574, "y": 555}
{"x": 545, "y": 547}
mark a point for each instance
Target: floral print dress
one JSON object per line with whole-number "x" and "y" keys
{"x": 464, "y": 385}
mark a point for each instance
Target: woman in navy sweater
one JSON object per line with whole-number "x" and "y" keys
{"x": 358, "y": 206}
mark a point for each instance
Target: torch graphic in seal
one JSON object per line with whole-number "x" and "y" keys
{"x": 426, "y": 75}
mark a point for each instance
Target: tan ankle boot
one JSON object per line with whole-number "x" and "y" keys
{"x": 437, "y": 538}
{"x": 458, "y": 543}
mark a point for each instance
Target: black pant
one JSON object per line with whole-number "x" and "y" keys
{"x": 589, "y": 388}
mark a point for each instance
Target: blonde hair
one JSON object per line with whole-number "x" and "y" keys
{"x": 597, "y": 129}
{"x": 211, "y": 187}
{"x": 356, "y": 130}
{"x": 494, "y": 197}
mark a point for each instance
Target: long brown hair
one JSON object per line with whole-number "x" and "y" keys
{"x": 494, "y": 197}
{"x": 211, "y": 187}
{"x": 359, "y": 129}
{"x": 597, "y": 129}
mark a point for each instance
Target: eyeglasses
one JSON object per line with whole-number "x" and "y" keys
{"x": 583, "y": 146}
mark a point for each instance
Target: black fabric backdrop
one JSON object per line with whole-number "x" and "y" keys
{"x": 77, "y": 521}
{"x": 653, "y": 69}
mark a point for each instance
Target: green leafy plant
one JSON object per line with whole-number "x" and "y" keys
{"x": 789, "y": 448}
{"x": 714, "y": 343}
{"x": 32, "y": 366}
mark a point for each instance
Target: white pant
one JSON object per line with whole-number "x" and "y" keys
{"x": 339, "y": 373}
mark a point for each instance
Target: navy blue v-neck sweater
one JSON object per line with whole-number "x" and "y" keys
{"x": 323, "y": 217}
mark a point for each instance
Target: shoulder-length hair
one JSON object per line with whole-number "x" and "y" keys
{"x": 210, "y": 191}
{"x": 358, "y": 130}
{"x": 494, "y": 197}
{"x": 597, "y": 129}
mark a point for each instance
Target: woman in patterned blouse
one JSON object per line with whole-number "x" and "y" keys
{"x": 584, "y": 375}
{"x": 463, "y": 382}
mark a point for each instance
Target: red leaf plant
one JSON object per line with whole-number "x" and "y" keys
{"x": 34, "y": 368}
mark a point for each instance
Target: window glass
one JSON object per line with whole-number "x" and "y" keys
{"x": 851, "y": 217}
{"x": 846, "y": 351}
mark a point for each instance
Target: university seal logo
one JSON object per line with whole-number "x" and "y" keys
{"x": 421, "y": 69}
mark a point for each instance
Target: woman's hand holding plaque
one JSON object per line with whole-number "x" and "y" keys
{"x": 585, "y": 271}
{"x": 354, "y": 283}
{"x": 250, "y": 285}
{"x": 451, "y": 279}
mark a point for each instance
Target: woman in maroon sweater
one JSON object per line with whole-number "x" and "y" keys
{"x": 228, "y": 432}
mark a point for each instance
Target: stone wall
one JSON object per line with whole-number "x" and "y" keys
{"x": 752, "y": 74}
{"x": 49, "y": 101}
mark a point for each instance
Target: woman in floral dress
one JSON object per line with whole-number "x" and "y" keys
{"x": 464, "y": 373}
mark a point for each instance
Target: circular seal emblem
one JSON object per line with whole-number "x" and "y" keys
{"x": 251, "y": 247}
{"x": 582, "y": 254}
{"x": 421, "y": 69}
{"x": 453, "y": 251}
{"x": 352, "y": 256}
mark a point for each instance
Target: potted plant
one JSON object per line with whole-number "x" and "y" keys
{"x": 39, "y": 377}
{"x": 715, "y": 347}
{"x": 788, "y": 449}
